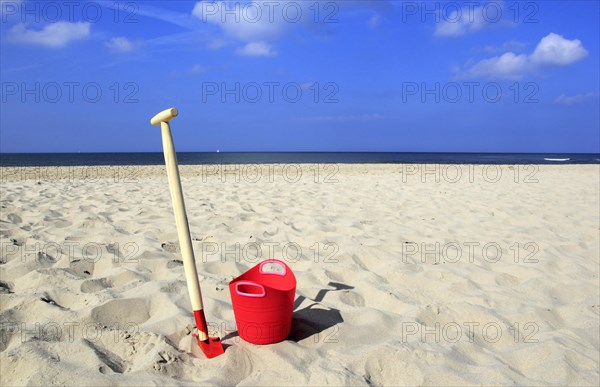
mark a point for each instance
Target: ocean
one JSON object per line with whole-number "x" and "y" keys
{"x": 199, "y": 158}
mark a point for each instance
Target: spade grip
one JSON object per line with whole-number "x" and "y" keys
{"x": 164, "y": 116}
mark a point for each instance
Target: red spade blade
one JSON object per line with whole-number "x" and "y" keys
{"x": 211, "y": 347}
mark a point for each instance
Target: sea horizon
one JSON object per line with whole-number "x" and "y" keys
{"x": 296, "y": 157}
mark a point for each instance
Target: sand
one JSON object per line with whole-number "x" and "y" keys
{"x": 407, "y": 274}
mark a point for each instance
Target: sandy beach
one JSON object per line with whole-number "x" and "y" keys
{"x": 407, "y": 274}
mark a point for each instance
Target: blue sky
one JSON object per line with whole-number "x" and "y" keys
{"x": 470, "y": 76}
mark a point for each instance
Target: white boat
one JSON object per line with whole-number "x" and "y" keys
{"x": 548, "y": 159}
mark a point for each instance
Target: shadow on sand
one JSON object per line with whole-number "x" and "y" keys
{"x": 314, "y": 318}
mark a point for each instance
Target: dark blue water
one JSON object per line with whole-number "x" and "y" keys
{"x": 195, "y": 158}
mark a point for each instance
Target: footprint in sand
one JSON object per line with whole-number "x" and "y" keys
{"x": 153, "y": 351}
{"x": 433, "y": 314}
{"x": 505, "y": 279}
{"x": 118, "y": 312}
{"x": 6, "y": 287}
{"x": 82, "y": 267}
{"x": 170, "y": 247}
{"x": 57, "y": 219}
{"x": 113, "y": 248}
{"x": 352, "y": 298}
{"x": 173, "y": 287}
{"x": 67, "y": 300}
{"x": 386, "y": 367}
{"x": 108, "y": 358}
{"x": 107, "y": 216}
{"x": 57, "y": 222}
{"x": 269, "y": 232}
{"x": 247, "y": 207}
{"x": 359, "y": 262}
{"x": 18, "y": 241}
{"x": 14, "y": 218}
{"x": 241, "y": 217}
{"x": 96, "y": 285}
{"x": 91, "y": 222}
{"x": 127, "y": 280}
{"x": 174, "y": 263}
{"x": 45, "y": 260}
{"x": 49, "y": 300}
{"x": 144, "y": 342}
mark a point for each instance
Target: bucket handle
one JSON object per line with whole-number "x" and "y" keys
{"x": 272, "y": 262}
{"x": 248, "y": 283}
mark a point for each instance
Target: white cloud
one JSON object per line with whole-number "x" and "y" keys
{"x": 256, "y": 23}
{"x": 574, "y": 99}
{"x": 215, "y": 44}
{"x": 55, "y": 35}
{"x": 552, "y": 50}
{"x": 181, "y": 19}
{"x": 197, "y": 69}
{"x": 508, "y": 65}
{"x": 256, "y": 49}
{"x": 122, "y": 44}
{"x": 307, "y": 85}
{"x": 19, "y": 68}
{"x": 465, "y": 20}
{"x": 247, "y": 21}
{"x": 511, "y": 45}
{"x": 374, "y": 21}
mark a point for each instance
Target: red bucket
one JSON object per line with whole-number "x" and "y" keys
{"x": 263, "y": 301}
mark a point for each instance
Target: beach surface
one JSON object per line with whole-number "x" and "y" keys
{"x": 407, "y": 274}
